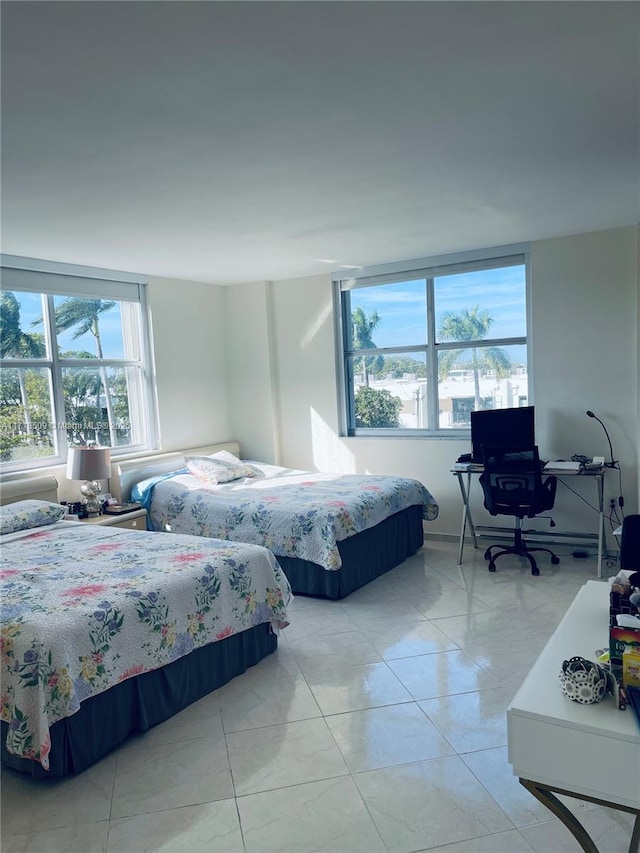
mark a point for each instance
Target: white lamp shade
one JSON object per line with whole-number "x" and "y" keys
{"x": 89, "y": 463}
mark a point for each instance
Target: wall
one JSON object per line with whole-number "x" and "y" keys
{"x": 251, "y": 374}
{"x": 585, "y": 343}
{"x": 188, "y": 330}
{"x": 584, "y": 332}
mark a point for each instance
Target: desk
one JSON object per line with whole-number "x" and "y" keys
{"x": 591, "y": 752}
{"x": 596, "y": 476}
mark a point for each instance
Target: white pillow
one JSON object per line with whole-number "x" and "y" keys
{"x": 224, "y": 456}
{"x": 213, "y": 469}
{"x": 24, "y": 515}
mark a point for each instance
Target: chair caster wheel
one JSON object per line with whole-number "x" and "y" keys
{"x": 487, "y": 554}
{"x": 492, "y": 567}
{"x": 555, "y": 560}
{"x": 535, "y": 572}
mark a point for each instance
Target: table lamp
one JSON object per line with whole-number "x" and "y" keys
{"x": 91, "y": 464}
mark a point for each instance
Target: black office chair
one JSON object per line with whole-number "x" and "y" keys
{"x": 512, "y": 484}
{"x": 630, "y": 543}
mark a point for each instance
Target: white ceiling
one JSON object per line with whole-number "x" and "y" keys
{"x": 241, "y": 141}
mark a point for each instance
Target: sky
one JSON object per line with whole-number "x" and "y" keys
{"x": 402, "y": 306}
{"x": 110, "y": 327}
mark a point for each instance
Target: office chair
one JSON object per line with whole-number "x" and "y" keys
{"x": 630, "y": 543}
{"x": 512, "y": 484}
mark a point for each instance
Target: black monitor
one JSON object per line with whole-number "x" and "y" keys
{"x": 509, "y": 428}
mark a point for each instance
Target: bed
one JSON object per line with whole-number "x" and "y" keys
{"x": 106, "y": 632}
{"x": 331, "y": 533}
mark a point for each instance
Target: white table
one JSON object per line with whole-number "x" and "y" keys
{"x": 591, "y": 752}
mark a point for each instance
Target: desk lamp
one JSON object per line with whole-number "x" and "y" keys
{"x": 91, "y": 464}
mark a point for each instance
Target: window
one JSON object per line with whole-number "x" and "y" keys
{"x": 74, "y": 364}
{"x": 422, "y": 348}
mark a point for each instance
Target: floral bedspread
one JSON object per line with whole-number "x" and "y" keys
{"x": 84, "y": 608}
{"x": 293, "y": 513}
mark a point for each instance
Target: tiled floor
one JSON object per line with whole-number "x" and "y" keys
{"x": 379, "y": 725}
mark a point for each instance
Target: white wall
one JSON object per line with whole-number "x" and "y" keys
{"x": 585, "y": 347}
{"x": 188, "y": 329}
{"x": 253, "y": 415}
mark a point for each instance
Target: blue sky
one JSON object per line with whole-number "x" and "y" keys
{"x": 402, "y": 310}
{"x": 110, "y": 327}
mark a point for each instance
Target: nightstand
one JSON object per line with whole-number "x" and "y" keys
{"x": 134, "y": 520}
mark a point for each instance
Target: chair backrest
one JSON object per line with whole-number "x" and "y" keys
{"x": 630, "y": 543}
{"x": 512, "y": 482}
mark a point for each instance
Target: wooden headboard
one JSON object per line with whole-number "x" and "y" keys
{"x": 125, "y": 474}
{"x": 43, "y": 488}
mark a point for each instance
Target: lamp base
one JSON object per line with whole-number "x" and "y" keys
{"x": 91, "y": 489}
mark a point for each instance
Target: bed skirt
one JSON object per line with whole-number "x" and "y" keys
{"x": 365, "y": 556}
{"x": 106, "y": 720}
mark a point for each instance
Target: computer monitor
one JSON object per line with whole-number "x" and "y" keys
{"x": 509, "y": 428}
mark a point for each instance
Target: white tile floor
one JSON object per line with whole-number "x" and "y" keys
{"x": 379, "y": 725}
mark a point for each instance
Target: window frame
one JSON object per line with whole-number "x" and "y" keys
{"x": 428, "y": 269}
{"x": 51, "y": 279}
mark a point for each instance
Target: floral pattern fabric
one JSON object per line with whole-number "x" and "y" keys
{"x": 85, "y": 608}
{"x": 293, "y": 513}
{"x": 25, "y": 515}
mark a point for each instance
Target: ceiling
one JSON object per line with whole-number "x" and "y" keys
{"x": 243, "y": 141}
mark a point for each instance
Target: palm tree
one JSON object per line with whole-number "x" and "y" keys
{"x": 16, "y": 343}
{"x": 471, "y": 325}
{"x": 362, "y": 330}
{"x": 84, "y": 314}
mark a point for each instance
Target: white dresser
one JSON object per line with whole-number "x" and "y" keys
{"x": 588, "y": 751}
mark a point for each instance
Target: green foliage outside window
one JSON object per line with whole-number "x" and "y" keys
{"x": 376, "y": 408}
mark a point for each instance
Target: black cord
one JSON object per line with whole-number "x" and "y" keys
{"x": 620, "y": 497}
{"x": 578, "y": 495}
{"x": 613, "y": 518}
{"x": 613, "y": 464}
{"x": 613, "y": 526}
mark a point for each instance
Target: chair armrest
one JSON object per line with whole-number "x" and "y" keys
{"x": 550, "y": 484}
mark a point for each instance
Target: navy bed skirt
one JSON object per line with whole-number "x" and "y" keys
{"x": 365, "y": 556}
{"x": 106, "y": 720}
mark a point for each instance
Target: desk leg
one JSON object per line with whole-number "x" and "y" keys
{"x": 635, "y": 838}
{"x": 544, "y": 794}
{"x": 600, "y": 481}
{"x": 562, "y": 813}
{"x": 466, "y": 514}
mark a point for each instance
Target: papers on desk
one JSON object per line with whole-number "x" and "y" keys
{"x": 562, "y": 466}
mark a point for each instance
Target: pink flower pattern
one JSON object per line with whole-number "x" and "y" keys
{"x": 95, "y": 626}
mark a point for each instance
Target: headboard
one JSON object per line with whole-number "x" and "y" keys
{"x": 125, "y": 474}
{"x": 43, "y": 488}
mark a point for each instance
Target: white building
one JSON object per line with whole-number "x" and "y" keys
{"x": 456, "y": 396}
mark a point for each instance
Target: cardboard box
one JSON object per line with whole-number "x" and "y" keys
{"x": 631, "y": 668}
{"x": 622, "y": 640}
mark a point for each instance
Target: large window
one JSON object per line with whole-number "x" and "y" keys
{"x": 423, "y": 348}
{"x": 74, "y": 368}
